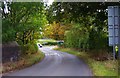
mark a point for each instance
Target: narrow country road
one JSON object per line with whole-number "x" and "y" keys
{"x": 55, "y": 63}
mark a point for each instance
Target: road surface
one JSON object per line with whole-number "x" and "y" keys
{"x": 55, "y": 63}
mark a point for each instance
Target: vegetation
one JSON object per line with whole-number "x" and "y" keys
{"x": 22, "y": 22}
{"x": 82, "y": 18}
{"x": 24, "y": 61}
{"x": 47, "y": 41}
{"x": 31, "y": 21}
{"x": 82, "y": 26}
{"x": 99, "y": 68}
{"x": 87, "y": 29}
{"x": 55, "y": 31}
{"x": 30, "y": 48}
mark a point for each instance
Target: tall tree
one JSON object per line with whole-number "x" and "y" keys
{"x": 25, "y": 19}
{"x": 91, "y": 18}
{"x": 62, "y": 11}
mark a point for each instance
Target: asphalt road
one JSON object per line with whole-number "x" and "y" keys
{"x": 55, "y": 63}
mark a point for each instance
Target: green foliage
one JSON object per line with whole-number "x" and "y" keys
{"x": 8, "y": 32}
{"x": 29, "y": 49}
{"x": 99, "y": 39}
{"x": 87, "y": 36}
{"x": 90, "y": 32}
{"x": 51, "y": 43}
{"x": 23, "y": 22}
{"x": 75, "y": 39}
{"x": 8, "y": 35}
{"x": 68, "y": 11}
{"x": 47, "y": 42}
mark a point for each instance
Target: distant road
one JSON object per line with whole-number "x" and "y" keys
{"x": 55, "y": 63}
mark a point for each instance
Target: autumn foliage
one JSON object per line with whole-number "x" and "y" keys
{"x": 55, "y": 30}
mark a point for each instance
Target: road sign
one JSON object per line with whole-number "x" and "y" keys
{"x": 113, "y": 24}
{"x": 114, "y": 28}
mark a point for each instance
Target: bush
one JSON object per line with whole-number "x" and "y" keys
{"x": 73, "y": 39}
{"x": 86, "y": 39}
{"x": 29, "y": 48}
{"x": 52, "y": 43}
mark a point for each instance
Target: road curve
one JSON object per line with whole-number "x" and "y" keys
{"x": 55, "y": 63}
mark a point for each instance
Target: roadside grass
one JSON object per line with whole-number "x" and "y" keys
{"x": 25, "y": 61}
{"x": 99, "y": 68}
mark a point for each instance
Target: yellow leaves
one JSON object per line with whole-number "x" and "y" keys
{"x": 55, "y": 31}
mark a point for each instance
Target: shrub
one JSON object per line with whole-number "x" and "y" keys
{"x": 29, "y": 48}
{"x": 52, "y": 43}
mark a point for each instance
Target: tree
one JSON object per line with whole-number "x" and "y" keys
{"x": 91, "y": 19}
{"x": 68, "y": 11}
{"x": 55, "y": 31}
{"x": 25, "y": 20}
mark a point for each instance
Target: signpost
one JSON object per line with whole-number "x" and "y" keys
{"x": 114, "y": 27}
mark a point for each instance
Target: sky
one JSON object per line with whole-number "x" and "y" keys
{"x": 49, "y": 2}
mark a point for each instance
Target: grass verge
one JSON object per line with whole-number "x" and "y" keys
{"x": 99, "y": 68}
{"x": 23, "y": 62}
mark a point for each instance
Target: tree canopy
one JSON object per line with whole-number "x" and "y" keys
{"x": 88, "y": 20}
{"x": 79, "y": 24}
{"x": 24, "y": 22}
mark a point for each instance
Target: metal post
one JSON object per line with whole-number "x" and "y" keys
{"x": 114, "y": 42}
{"x": 119, "y": 33}
{"x": 114, "y": 35}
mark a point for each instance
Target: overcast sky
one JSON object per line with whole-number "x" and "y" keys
{"x": 49, "y": 2}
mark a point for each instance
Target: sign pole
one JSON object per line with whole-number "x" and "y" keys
{"x": 114, "y": 42}
{"x": 119, "y": 33}
{"x": 114, "y": 29}
{"x": 114, "y": 34}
